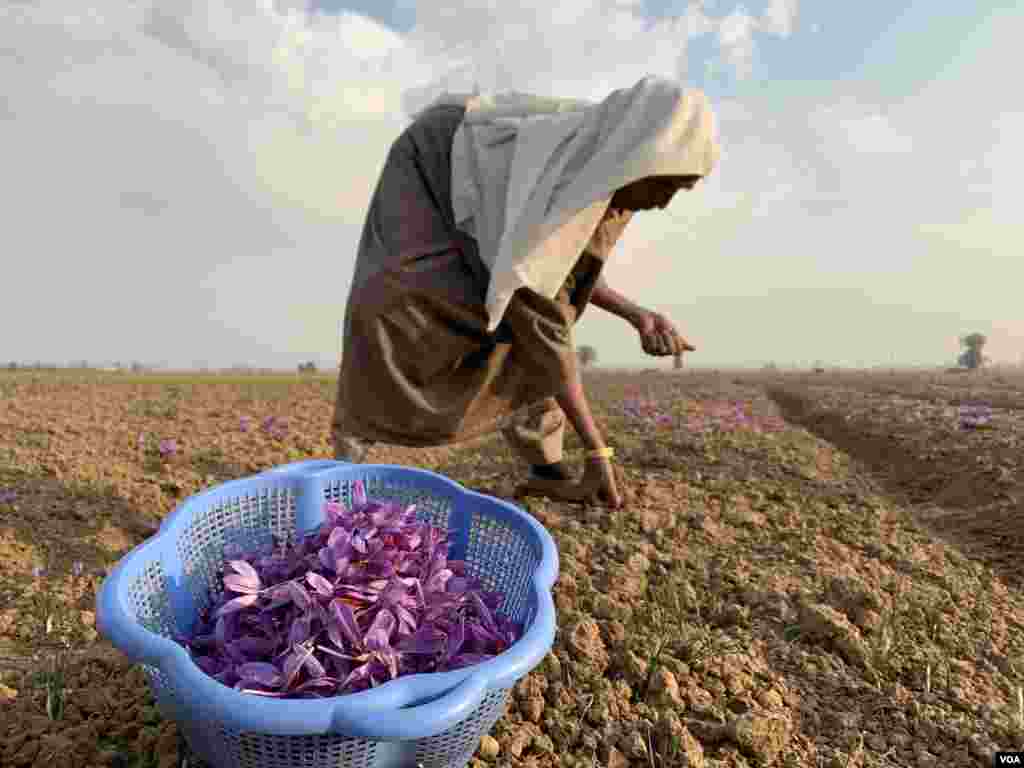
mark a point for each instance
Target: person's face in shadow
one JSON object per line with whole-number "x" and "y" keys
{"x": 650, "y": 192}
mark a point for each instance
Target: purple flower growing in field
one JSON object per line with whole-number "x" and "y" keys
{"x": 276, "y": 428}
{"x": 974, "y": 415}
{"x": 38, "y": 572}
{"x": 244, "y": 423}
{"x": 644, "y": 410}
{"x": 168, "y": 448}
{"x": 142, "y": 440}
{"x": 8, "y": 497}
{"x": 77, "y": 567}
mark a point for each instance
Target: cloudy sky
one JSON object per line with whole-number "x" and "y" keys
{"x": 185, "y": 181}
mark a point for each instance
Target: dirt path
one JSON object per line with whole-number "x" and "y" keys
{"x": 952, "y": 496}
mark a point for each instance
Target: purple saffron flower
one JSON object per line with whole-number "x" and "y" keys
{"x": 244, "y": 423}
{"x": 8, "y": 497}
{"x": 77, "y": 567}
{"x": 38, "y": 572}
{"x": 142, "y": 440}
{"x": 268, "y": 424}
{"x": 375, "y": 580}
{"x": 168, "y": 448}
{"x": 974, "y": 415}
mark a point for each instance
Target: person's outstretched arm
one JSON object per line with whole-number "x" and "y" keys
{"x": 658, "y": 335}
{"x": 612, "y": 301}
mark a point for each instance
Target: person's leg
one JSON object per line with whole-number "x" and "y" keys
{"x": 538, "y": 437}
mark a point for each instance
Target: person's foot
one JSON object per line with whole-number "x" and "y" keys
{"x": 546, "y": 479}
{"x": 555, "y": 471}
{"x": 601, "y": 483}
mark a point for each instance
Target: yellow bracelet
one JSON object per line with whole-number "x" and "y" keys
{"x": 600, "y": 453}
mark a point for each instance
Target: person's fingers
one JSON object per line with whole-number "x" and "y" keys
{"x": 675, "y": 344}
{"x": 609, "y": 492}
{"x": 622, "y": 491}
{"x": 611, "y": 475}
{"x": 657, "y": 344}
{"x": 616, "y": 497}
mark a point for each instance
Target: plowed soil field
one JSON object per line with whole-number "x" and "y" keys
{"x": 813, "y": 571}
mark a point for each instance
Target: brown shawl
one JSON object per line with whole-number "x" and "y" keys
{"x": 418, "y": 367}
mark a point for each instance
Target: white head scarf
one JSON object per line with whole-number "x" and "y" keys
{"x": 532, "y": 177}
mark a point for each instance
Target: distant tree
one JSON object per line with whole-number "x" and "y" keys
{"x": 12, "y": 366}
{"x": 307, "y": 367}
{"x": 587, "y": 355}
{"x": 138, "y": 367}
{"x": 771, "y": 367}
{"x": 972, "y": 357}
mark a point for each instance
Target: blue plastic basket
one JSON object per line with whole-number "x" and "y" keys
{"x": 431, "y": 720}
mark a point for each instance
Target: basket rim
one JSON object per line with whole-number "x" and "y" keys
{"x": 385, "y": 712}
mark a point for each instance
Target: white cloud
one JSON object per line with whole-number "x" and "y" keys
{"x": 736, "y": 41}
{"x": 200, "y": 170}
{"x": 737, "y": 30}
{"x": 780, "y": 17}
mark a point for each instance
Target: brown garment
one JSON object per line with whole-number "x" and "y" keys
{"x": 418, "y": 366}
{"x": 538, "y": 434}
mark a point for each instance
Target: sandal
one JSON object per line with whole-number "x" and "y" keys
{"x": 541, "y": 485}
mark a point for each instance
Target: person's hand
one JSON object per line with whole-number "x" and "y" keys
{"x": 659, "y": 336}
{"x": 600, "y": 483}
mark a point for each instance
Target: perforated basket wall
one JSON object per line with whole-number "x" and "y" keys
{"x": 223, "y": 747}
{"x": 495, "y": 553}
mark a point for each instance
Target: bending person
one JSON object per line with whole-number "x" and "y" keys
{"x": 483, "y": 244}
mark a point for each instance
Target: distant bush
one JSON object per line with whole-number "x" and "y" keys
{"x": 972, "y": 357}
{"x": 587, "y": 355}
{"x": 307, "y": 367}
